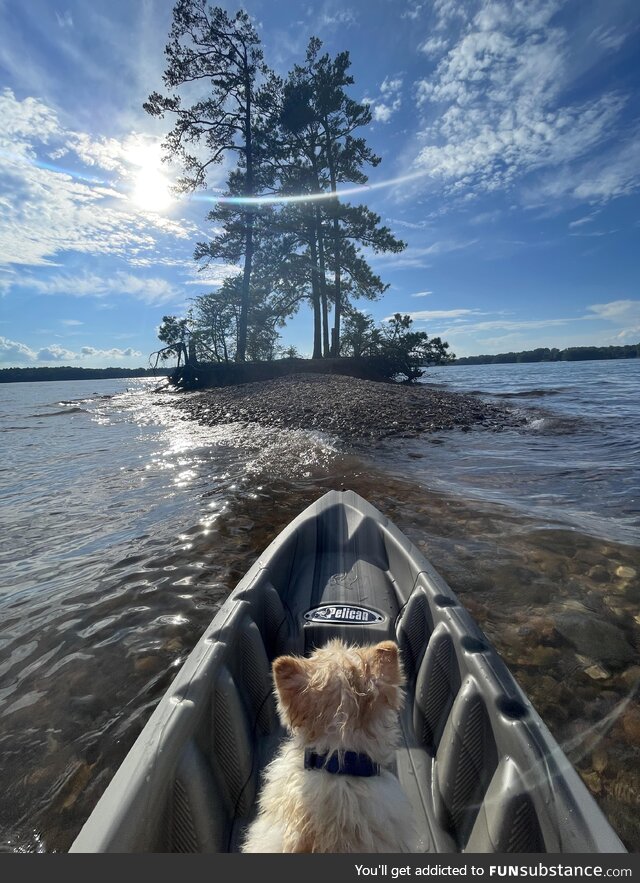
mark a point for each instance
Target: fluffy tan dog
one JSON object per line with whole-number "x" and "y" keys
{"x": 327, "y": 789}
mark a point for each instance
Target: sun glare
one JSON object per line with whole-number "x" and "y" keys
{"x": 151, "y": 190}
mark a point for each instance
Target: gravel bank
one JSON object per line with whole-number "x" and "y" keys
{"x": 346, "y": 407}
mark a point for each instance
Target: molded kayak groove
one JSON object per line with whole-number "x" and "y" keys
{"x": 480, "y": 767}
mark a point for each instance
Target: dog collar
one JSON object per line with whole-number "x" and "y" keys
{"x": 346, "y": 763}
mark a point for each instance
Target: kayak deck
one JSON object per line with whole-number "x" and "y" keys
{"x": 482, "y": 771}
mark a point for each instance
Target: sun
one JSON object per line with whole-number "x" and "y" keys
{"x": 151, "y": 191}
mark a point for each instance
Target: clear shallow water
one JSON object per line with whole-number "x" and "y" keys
{"x": 125, "y": 526}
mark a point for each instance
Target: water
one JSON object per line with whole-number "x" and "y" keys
{"x": 125, "y": 526}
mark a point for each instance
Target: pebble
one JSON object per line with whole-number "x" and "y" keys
{"x": 626, "y": 572}
{"x": 347, "y": 407}
{"x": 597, "y": 672}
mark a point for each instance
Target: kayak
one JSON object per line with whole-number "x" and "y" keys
{"x": 481, "y": 770}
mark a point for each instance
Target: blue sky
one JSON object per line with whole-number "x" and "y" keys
{"x": 510, "y": 141}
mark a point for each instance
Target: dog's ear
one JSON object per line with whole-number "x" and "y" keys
{"x": 385, "y": 663}
{"x": 291, "y": 677}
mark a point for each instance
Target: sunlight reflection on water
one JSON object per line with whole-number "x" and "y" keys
{"x": 129, "y": 526}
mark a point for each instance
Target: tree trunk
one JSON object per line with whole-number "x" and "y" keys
{"x": 248, "y": 251}
{"x": 337, "y": 281}
{"x": 323, "y": 285}
{"x": 315, "y": 296}
{"x": 243, "y": 321}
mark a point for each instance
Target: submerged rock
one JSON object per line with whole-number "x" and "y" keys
{"x": 592, "y": 637}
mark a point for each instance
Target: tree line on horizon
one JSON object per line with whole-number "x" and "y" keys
{"x": 293, "y": 139}
{"x": 546, "y": 354}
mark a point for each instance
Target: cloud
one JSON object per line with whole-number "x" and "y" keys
{"x": 496, "y": 106}
{"x": 412, "y": 11}
{"x": 48, "y": 209}
{"x": 617, "y": 310}
{"x": 433, "y": 46}
{"x": 152, "y": 291}
{"x": 427, "y": 315}
{"x": 422, "y": 294}
{"x": 55, "y": 354}
{"x": 335, "y": 18}
{"x": 579, "y": 222}
{"x": 70, "y": 322}
{"x": 414, "y": 256}
{"x": 12, "y": 351}
{"x": 64, "y": 19}
{"x": 608, "y": 37}
{"x": 389, "y": 101}
{"x": 213, "y": 275}
{"x": 113, "y": 353}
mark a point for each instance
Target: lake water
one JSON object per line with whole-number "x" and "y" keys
{"x": 124, "y": 527}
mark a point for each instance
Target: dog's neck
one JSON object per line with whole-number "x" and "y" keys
{"x": 341, "y": 763}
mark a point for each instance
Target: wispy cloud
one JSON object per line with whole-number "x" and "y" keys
{"x": 332, "y": 17}
{"x": 413, "y": 11}
{"x": 496, "y": 105}
{"x": 434, "y": 46}
{"x": 428, "y": 315}
{"x": 618, "y": 310}
{"x": 422, "y": 293}
{"x": 389, "y": 100}
{"x": 48, "y": 208}
{"x": 151, "y": 291}
{"x": 64, "y": 19}
{"x": 625, "y": 314}
{"x": 580, "y": 222}
{"x": 415, "y": 256}
{"x": 608, "y": 37}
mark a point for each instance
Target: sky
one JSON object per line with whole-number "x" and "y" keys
{"x": 509, "y": 132}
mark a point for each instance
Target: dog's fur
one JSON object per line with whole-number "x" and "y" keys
{"x": 339, "y": 699}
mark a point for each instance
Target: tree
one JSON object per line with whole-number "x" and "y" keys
{"x": 412, "y": 350}
{"x": 208, "y": 46}
{"x": 317, "y": 151}
{"x": 175, "y": 334}
{"x": 360, "y": 337}
{"x": 324, "y": 108}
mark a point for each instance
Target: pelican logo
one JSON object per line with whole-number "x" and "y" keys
{"x": 343, "y": 614}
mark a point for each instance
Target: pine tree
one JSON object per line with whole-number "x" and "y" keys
{"x": 207, "y": 45}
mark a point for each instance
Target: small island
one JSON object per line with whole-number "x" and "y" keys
{"x": 349, "y": 408}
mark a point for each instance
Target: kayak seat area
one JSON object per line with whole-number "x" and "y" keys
{"x": 218, "y": 775}
{"x": 462, "y": 716}
{"x": 481, "y": 770}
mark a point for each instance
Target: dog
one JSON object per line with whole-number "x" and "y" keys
{"x": 328, "y": 789}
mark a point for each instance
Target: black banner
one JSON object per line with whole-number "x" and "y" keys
{"x": 327, "y": 868}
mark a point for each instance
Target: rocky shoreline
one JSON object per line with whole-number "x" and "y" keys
{"x": 347, "y": 407}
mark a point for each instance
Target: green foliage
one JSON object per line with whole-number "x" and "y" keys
{"x": 174, "y": 333}
{"x": 407, "y": 351}
{"x": 291, "y": 137}
{"x": 544, "y": 354}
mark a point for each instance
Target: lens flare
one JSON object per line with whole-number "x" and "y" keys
{"x": 277, "y": 199}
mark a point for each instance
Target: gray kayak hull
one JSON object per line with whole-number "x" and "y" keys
{"x": 481, "y": 769}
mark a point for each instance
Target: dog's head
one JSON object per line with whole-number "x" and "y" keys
{"x": 341, "y": 696}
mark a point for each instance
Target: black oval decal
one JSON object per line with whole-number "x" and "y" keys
{"x": 347, "y": 614}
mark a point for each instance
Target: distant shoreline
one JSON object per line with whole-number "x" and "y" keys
{"x": 38, "y": 375}
{"x": 542, "y": 354}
